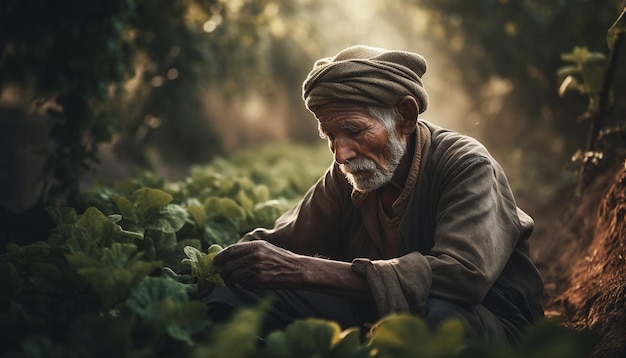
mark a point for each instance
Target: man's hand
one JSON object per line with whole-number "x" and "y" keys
{"x": 260, "y": 264}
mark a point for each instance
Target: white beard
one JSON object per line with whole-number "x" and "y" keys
{"x": 363, "y": 173}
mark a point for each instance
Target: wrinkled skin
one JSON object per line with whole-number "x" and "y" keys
{"x": 351, "y": 133}
{"x": 259, "y": 264}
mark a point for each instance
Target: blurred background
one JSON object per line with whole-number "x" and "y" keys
{"x": 91, "y": 90}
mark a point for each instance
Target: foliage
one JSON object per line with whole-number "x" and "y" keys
{"x": 138, "y": 71}
{"x": 119, "y": 268}
{"x": 202, "y": 267}
{"x": 499, "y": 38}
{"x": 225, "y": 198}
{"x": 92, "y": 278}
{"x": 592, "y": 76}
{"x": 76, "y": 54}
{"x": 585, "y": 75}
{"x": 115, "y": 280}
{"x": 519, "y": 44}
{"x": 186, "y": 47}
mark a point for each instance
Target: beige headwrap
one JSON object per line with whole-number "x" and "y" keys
{"x": 368, "y": 75}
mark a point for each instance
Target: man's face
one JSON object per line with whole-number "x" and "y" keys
{"x": 366, "y": 152}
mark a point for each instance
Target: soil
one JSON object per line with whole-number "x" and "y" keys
{"x": 580, "y": 250}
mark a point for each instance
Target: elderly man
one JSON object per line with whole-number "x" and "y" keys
{"x": 410, "y": 217}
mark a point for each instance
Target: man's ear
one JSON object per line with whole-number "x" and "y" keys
{"x": 409, "y": 110}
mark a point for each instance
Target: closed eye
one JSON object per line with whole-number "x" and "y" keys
{"x": 352, "y": 130}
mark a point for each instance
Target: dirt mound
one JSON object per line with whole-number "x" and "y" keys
{"x": 584, "y": 262}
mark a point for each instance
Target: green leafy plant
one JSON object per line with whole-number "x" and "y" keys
{"x": 122, "y": 279}
{"x": 405, "y": 336}
{"x": 316, "y": 337}
{"x": 201, "y": 264}
{"x": 592, "y": 75}
{"x": 585, "y": 75}
{"x": 164, "y": 307}
{"x": 237, "y": 338}
{"x": 102, "y": 252}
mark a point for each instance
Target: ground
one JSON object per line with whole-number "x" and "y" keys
{"x": 580, "y": 249}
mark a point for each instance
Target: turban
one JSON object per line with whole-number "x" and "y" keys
{"x": 368, "y": 75}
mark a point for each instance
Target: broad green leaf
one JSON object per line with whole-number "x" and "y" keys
{"x": 447, "y": 339}
{"x": 126, "y": 208}
{"x": 119, "y": 254}
{"x": 266, "y": 213}
{"x": 243, "y": 200}
{"x": 201, "y": 264}
{"x": 184, "y": 320}
{"x": 89, "y": 231}
{"x": 312, "y": 337}
{"x": 227, "y": 187}
{"x": 62, "y": 233}
{"x": 225, "y": 207}
{"x": 278, "y": 345}
{"x": 221, "y": 232}
{"x": 25, "y": 255}
{"x": 198, "y": 214}
{"x": 349, "y": 345}
{"x": 81, "y": 243}
{"x": 81, "y": 260}
{"x": 168, "y": 219}
{"x": 164, "y": 304}
{"x": 399, "y": 335}
{"x": 151, "y": 291}
{"x": 148, "y": 198}
{"x": 62, "y": 215}
{"x": 93, "y": 221}
{"x": 261, "y": 193}
{"x": 113, "y": 285}
{"x": 237, "y": 338}
{"x": 167, "y": 247}
{"x": 405, "y": 335}
{"x": 214, "y": 249}
{"x": 315, "y": 337}
{"x": 93, "y": 226}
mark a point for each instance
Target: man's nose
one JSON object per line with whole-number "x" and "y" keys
{"x": 343, "y": 152}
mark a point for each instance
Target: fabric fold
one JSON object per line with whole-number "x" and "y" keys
{"x": 397, "y": 285}
{"x": 367, "y": 75}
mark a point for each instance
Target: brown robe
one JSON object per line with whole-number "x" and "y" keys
{"x": 462, "y": 236}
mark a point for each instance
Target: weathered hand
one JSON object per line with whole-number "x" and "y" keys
{"x": 259, "y": 264}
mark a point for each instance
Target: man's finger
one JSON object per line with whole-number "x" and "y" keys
{"x": 233, "y": 252}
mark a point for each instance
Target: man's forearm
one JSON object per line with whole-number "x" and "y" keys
{"x": 333, "y": 277}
